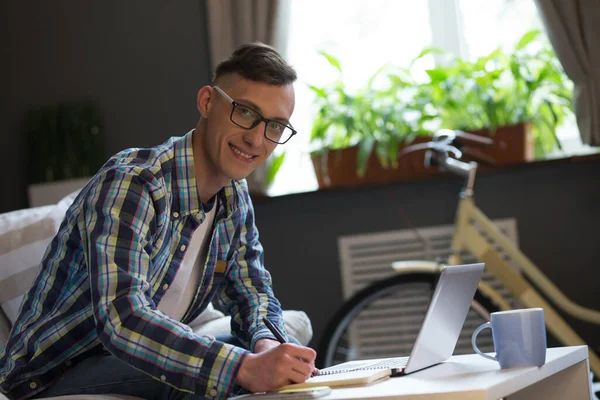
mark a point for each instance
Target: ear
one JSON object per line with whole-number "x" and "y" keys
{"x": 204, "y": 101}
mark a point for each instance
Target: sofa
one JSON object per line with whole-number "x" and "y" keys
{"x": 24, "y": 236}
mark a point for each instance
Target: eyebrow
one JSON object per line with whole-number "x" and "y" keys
{"x": 254, "y": 106}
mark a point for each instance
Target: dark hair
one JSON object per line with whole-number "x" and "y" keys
{"x": 257, "y": 62}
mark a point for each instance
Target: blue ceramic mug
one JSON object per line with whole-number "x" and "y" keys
{"x": 519, "y": 337}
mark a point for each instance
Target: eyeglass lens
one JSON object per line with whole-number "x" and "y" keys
{"x": 248, "y": 118}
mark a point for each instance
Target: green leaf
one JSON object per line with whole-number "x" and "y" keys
{"x": 437, "y": 75}
{"x": 426, "y": 51}
{"x": 398, "y": 81}
{"x": 274, "y": 167}
{"x": 365, "y": 148}
{"x": 546, "y": 133}
{"x": 381, "y": 153}
{"x": 555, "y": 123}
{"x": 375, "y": 75}
{"x": 319, "y": 130}
{"x": 527, "y": 38}
{"x": 332, "y": 60}
{"x": 319, "y": 91}
{"x": 393, "y": 152}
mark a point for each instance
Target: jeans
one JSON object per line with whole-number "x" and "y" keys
{"x": 106, "y": 374}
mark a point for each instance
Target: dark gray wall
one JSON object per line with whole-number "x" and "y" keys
{"x": 141, "y": 61}
{"x": 556, "y": 206}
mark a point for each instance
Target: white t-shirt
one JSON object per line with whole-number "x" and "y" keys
{"x": 179, "y": 296}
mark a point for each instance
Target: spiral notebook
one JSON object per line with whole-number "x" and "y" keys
{"x": 348, "y": 378}
{"x": 435, "y": 342}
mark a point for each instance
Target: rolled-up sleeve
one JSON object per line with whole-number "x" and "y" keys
{"x": 248, "y": 296}
{"x": 121, "y": 217}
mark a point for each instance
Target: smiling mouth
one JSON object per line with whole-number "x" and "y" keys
{"x": 241, "y": 154}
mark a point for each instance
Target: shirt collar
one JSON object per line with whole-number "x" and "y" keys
{"x": 184, "y": 182}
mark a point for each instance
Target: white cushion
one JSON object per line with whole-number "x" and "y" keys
{"x": 209, "y": 314}
{"x": 297, "y": 324}
{"x": 24, "y": 237}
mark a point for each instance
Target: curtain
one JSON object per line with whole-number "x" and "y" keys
{"x": 232, "y": 23}
{"x": 573, "y": 27}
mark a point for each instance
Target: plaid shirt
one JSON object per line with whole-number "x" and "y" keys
{"x": 116, "y": 252}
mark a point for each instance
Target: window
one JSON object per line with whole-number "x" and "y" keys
{"x": 366, "y": 34}
{"x": 494, "y": 23}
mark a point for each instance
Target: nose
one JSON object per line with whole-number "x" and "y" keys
{"x": 255, "y": 136}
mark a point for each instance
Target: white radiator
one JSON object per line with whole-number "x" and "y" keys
{"x": 391, "y": 325}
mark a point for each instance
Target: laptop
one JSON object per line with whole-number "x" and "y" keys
{"x": 441, "y": 328}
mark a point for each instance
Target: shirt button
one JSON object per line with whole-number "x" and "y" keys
{"x": 183, "y": 247}
{"x": 32, "y": 385}
{"x": 175, "y": 214}
{"x": 163, "y": 378}
{"x": 212, "y": 392}
{"x": 165, "y": 286}
{"x": 68, "y": 363}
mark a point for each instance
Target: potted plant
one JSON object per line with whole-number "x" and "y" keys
{"x": 65, "y": 148}
{"x": 357, "y": 135}
{"x": 519, "y": 97}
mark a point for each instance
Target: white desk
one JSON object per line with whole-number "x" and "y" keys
{"x": 472, "y": 377}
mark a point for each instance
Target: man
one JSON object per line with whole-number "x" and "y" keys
{"x": 108, "y": 310}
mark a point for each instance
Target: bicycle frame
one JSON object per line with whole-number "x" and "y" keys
{"x": 477, "y": 234}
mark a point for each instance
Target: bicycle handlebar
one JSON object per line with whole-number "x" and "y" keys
{"x": 443, "y": 145}
{"x": 467, "y": 138}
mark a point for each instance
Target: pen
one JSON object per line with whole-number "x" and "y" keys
{"x": 274, "y": 330}
{"x": 279, "y": 335}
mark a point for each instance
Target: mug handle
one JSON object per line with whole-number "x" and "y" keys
{"x": 474, "y": 338}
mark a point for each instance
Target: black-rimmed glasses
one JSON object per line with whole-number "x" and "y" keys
{"x": 247, "y": 118}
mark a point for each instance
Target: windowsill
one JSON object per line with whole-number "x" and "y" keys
{"x": 585, "y": 156}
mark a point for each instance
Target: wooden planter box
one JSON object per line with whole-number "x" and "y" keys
{"x": 341, "y": 168}
{"x": 512, "y": 145}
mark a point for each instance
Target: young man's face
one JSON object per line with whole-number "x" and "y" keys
{"x": 231, "y": 151}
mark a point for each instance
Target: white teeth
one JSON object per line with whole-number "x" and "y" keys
{"x": 241, "y": 153}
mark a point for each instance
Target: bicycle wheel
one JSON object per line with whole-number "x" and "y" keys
{"x": 384, "y": 319}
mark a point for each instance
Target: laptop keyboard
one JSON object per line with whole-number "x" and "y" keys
{"x": 399, "y": 362}
{"x": 391, "y": 363}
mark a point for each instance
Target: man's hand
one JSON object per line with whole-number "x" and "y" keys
{"x": 265, "y": 344}
{"x": 275, "y": 365}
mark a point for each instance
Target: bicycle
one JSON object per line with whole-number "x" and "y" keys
{"x": 406, "y": 293}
